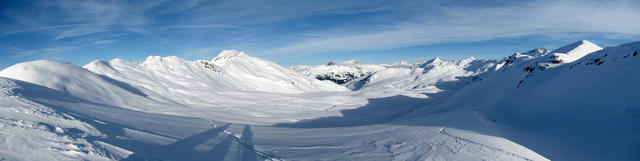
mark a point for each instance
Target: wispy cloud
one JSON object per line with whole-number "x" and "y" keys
{"x": 48, "y": 52}
{"x": 70, "y": 18}
{"x": 100, "y": 42}
{"x": 470, "y": 23}
{"x": 202, "y": 26}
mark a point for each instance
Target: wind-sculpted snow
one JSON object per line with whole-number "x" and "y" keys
{"x": 31, "y": 131}
{"x": 238, "y": 107}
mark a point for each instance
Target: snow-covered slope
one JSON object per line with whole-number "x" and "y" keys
{"x": 587, "y": 108}
{"x": 31, "y": 131}
{"x": 541, "y": 59}
{"x": 339, "y": 72}
{"x": 405, "y": 78}
{"x": 229, "y": 87}
{"x": 76, "y": 81}
{"x": 44, "y": 124}
{"x": 229, "y": 70}
{"x": 575, "y": 51}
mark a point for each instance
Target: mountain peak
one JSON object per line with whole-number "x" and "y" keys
{"x": 579, "y": 44}
{"x": 574, "y": 51}
{"x": 348, "y": 62}
{"x": 433, "y": 61}
{"x": 228, "y": 55}
{"x": 225, "y": 54}
{"x": 537, "y": 52}
{"x": 160, "y": 58}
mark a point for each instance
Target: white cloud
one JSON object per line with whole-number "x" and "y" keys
{"x": 48, "y": 53}
{"x": 201, "y": 26}
{"x": 470, "y": 23}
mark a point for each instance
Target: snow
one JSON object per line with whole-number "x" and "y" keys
{"x": 575, "y": 51}
{"x": 578, "y": 106}
{"x": 415, "y": 80}
{"x": 239, "y": 107}
{"x": 230, "y": 92}
{"x": 339, "y": 72}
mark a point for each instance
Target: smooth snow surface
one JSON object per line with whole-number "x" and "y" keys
{"x": 528, "y": 106}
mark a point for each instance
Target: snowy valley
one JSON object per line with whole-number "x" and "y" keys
{"x": 577, "y": 102}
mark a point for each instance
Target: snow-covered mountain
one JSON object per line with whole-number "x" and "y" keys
{"x": 577, "y": 102}
{"x": 229, "y": 70}
{"x": 409, "y": 79}
{"x": 579, "y": 107}
{"x": 339, "y": 72}
{"x": 419, "y": 78}
{"x": 170, "y": 85}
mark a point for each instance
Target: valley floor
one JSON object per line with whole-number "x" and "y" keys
{"x": 35, "y": 126}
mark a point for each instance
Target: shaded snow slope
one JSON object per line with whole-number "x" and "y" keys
{"x": 76, "y": 81}
{"x": 581, "y": 106}
{"x": 31, "y": 131}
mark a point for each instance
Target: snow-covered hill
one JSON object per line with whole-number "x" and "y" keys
{"x": 76, "y": 81}
{"x": 577, "y": 102}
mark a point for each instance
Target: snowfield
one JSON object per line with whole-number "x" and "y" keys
{"x": 578, "y": 102}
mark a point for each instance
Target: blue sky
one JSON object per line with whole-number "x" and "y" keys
{"x": 305, "y": 32}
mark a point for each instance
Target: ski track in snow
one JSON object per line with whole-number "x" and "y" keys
{"x": 444, "y": 132}
{"x": 237, "y": 139}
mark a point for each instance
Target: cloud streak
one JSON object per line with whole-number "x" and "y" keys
{"x": 201, "y": 28}
{"x": 468, "y": 23}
